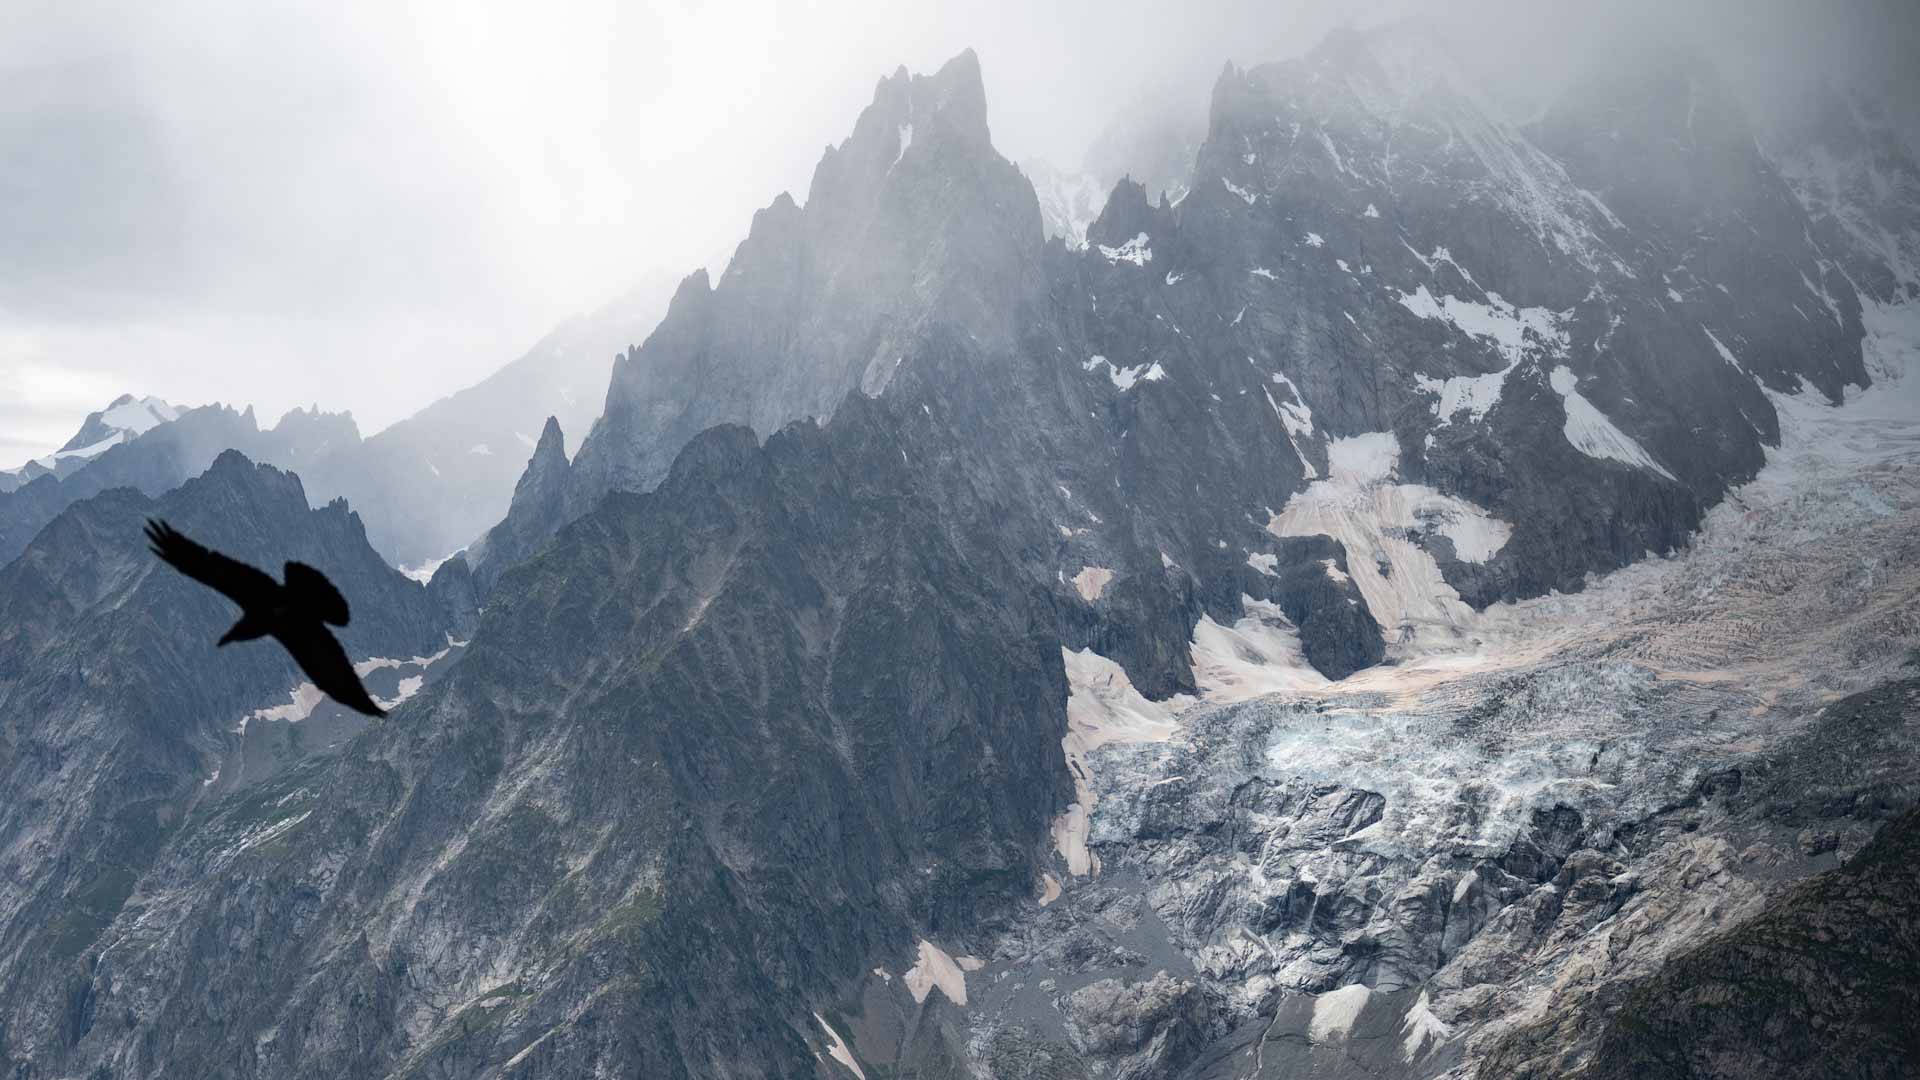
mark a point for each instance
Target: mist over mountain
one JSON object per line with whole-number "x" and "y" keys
{"x": 1390, "y": 565}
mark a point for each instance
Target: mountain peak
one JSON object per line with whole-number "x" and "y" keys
{"x": 235, "y": 471}
{"x": 917, "y": 113}
{"x": 955, "y": 94}
{"x": 124, "y": 418}
{"x": 1128, "y": 213}
{"x": 693, "y": 287}
{"x": 552, "y": 441}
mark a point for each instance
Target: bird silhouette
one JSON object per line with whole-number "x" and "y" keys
{"x": 294, "y": 614}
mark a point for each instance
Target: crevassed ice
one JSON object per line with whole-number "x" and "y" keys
{"x": 1102, "y": 707}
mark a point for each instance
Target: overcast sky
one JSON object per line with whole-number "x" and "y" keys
{"x": 367, "y": 206}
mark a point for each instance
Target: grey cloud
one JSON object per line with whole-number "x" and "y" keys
{"x": 373, "y": 204}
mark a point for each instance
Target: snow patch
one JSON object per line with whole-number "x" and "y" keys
{"x": 1091, "y": 581}
{"x": 837, "y": 1047}
{"x": 1335, "y": 1012}
{"x": 140, "y": 416}
{"x": 1496, "y": 320}
{"x": 1421, "y": 1028}
{"x": 424, "y": 572}
{"x": 1591, "y": 433}
{"x": 1049, "y": 889}
{"x": 1725, "y": 353}
{"x": 91, "y": 450}
{"x": 1259, "y": 654}
{"x": 935, "y": 970}
{"x": 1134, "y": 251}
{"x": 1313, "y": 239}
{"x": 1295, "y": 417}
{"x": 408, "y": 687}
{"x": 1379, "y": 523}
{"x": 303, "y": 699}
{"x": 376, "y": 663}
{"x": 1126, "y": 377}
{"x": 1247, "y": 196}
{"x": 1476, "y": 395}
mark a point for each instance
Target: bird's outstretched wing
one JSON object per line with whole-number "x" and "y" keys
{"x": 244, "y": 585}
{"x": 310, "y": 592}
{"x": 317, "y": 652}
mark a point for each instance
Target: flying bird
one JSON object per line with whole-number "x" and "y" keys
{"x": 294, "y": 614}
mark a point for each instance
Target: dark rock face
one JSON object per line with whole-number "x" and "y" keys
{"x": 1861, "y": 185}
{"x": 453, "y": 594}
{"x": 115, "y": 706}
{"x": 1817, "y": 981}
{"x": 1820, "y": 984}
{"x": 1668, "y": 150}
{"x": 720, "y": 743}
{"x": 539, "y": 502}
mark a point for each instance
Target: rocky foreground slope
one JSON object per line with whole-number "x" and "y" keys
{"x": 118, "y": 718}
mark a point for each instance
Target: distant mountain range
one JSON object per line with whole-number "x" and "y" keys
{"x": 426, "y": 487}
{"x": 121, "y": 421}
